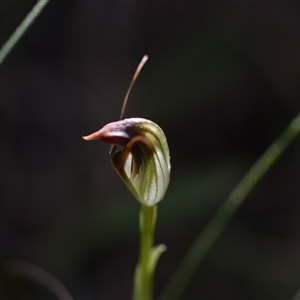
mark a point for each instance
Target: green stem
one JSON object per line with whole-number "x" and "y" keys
{"x": 214, "y": 228}
{"x": 15, "y": 37}
{"x": 143, "y": 279}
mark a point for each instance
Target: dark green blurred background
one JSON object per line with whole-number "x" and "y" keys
{"x": 222, "y": 81}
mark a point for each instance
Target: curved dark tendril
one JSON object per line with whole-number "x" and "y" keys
{"x": 113, "y": 149}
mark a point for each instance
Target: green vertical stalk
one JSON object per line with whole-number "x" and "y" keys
{"x": 143, "y": 278}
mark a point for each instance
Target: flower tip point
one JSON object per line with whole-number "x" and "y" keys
{"x": 91, "y": 137}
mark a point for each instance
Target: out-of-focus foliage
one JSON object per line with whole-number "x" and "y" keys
{"x": 222, "y": 81}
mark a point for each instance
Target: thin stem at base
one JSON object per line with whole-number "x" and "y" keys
{"x": 143, "y": 278}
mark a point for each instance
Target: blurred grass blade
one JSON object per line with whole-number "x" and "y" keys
{"x": 15, "y": 37}
{"x": 188, "y": 266}
{"x": 297, "y": 296}
{"x": 38, "y": 275}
